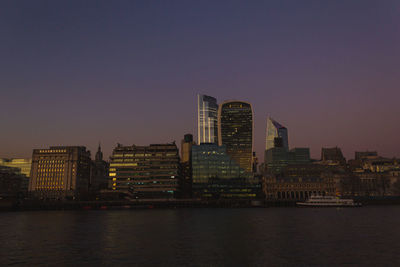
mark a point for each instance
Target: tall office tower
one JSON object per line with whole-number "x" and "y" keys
{"x": 207, "y": 119}
{"x": 145, "y": 171}
{"x": 235, "y": 131}
{"x": 60, "y": 172}
{"x": 275, "y": 130}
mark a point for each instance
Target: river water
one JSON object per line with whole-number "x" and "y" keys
{"x": 366, "y": 236}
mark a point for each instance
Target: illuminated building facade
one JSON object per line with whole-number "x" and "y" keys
{"x": 235, "y": 131}
{"x": 145, "y": 171}
{"x": 24, "y": 165}
{"x": 276, "y": 130}
{"x": 207, "y": 119}
{"x": 60, "y": 172}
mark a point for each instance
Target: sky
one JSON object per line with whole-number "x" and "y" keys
{"x": 84, "y": 72}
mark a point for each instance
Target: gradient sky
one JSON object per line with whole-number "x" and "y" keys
{"x": 79, "y": 72}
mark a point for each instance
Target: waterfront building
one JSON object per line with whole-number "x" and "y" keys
{"x": 276, "y": 130}
{"x": 217, "y": 175}
{"x": 296, "y": 188}
{"x": 207, "y": 119}
{"x": 23, "y": 164}
{"x": 145, "y": 171}
{"x": 235, "y": 131}
{"x": 99, "y": 172}
{"x": 60, "y": 172}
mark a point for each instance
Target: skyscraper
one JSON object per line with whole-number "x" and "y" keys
{"x": 207, "y": 118}
{"x": 276, "y": 130}
{"x": 235, "y": 131}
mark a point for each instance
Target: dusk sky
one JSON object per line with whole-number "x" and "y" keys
{"x": 80, "y": 72}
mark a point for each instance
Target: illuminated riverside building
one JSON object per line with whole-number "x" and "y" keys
{"x": 145, "y": 171}
{"x": 235, "y": 131}
{"x": 217, "y": 175}
{"x": 60, "y": 172}
{"x": 24, "y": 165}
{"x": 207, "y": 119}
{"x": 276, "y": 130}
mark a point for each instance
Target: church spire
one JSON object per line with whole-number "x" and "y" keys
{"x": 99, "y": 154}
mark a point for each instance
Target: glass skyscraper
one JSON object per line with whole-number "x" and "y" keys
{"x": 235, "y": 131}
{"x": 276, "y": 130}
{"x": 207, "y": 119}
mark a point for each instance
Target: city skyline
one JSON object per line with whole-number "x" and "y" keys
{"x": 73, "y": 73}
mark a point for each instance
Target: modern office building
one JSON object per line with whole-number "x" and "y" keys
{"x": 277, "y": 158}
{"x": 235, "y": 131}
{"x": 207, "y": 119}
{"x": 217, "y": 175}
{"x": 145, "y": 171}
{"x": 24, "y": 165}
{"x": 276, "y": 130}
{"x": 60, "y": 172}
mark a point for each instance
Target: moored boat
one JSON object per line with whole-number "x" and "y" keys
{"x": 328, "y": 201}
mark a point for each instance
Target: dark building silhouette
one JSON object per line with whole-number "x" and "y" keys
{"x": 186, "y": 165}
{"x": 235, "y": 131}
{"x": 12, "y": 182}
{"x": 99, "y": 172}
{"x": 365, "y": 155}
{"x": 60, "y": 172}
{"x": 332, "y": 155}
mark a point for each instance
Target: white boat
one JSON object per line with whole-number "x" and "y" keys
{"x": 328, "y": 201}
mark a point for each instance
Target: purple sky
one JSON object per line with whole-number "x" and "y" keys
{"x": 79, "y": 72}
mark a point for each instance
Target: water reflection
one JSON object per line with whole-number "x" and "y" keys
{"x": 198, "y": 237}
